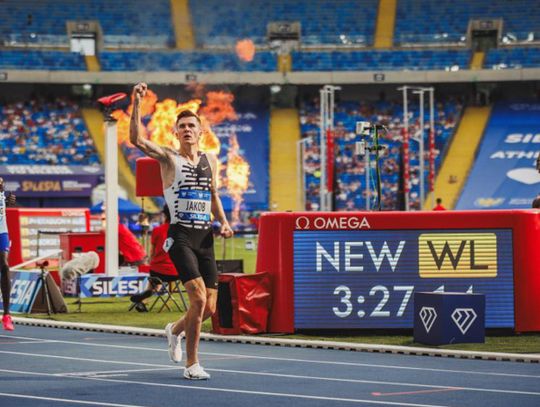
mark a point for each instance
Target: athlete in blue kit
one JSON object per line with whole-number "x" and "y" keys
{"x": 5, "y": 282}
{"x": 189, "y": 186}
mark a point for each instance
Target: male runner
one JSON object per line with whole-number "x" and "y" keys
{"x": 5, "y": 282}
{"x": 190, "y": 189}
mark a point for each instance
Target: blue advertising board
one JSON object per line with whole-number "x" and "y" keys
{"x": 99, "y": 285}
{"x": 504, "y": 174}
{"x": 367, "y": 278}
{"x": 251, "y": 130}
{"x": 24, "y": 287}
{"x": 38, "y": 181}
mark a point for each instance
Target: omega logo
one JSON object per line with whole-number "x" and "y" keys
{"x": 353, "y": 222}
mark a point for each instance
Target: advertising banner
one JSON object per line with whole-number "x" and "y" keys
{"x": 251, "y": 130}
{"x": 24, "y": 286}
{"x": 51, "y": 180}
{"x": 504, "y": 174}
{"x": 92, "y": 285}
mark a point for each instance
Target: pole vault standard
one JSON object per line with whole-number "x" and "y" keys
{"x": 301, "y": 173}
{"x": 327, "y": 99}
{"x": 420, "y": 91}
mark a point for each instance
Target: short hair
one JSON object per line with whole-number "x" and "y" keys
{"x": 187, "y": 113}
{"x": 167, "y": 213}
{"x": 536, "y": 202}
{"x": 438, "y": 200}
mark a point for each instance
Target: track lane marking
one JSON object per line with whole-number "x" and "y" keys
{"x": 397, "y": 367}
{"x": 477, "y": 389}
{"x": 228, "y": 390}
{"x": 403, "y": 393}
{"x": 92, "y": 403}
{"x": 98, "y": 372}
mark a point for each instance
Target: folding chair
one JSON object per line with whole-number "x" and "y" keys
{"x": 165, "y": 295}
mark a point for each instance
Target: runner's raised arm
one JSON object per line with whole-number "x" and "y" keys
{"x": 136, "y": 134}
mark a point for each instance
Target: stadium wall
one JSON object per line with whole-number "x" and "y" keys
{"x": 269, "y": 78}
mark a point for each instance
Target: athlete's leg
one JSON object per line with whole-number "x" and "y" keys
{"x": 192, "y": 322}
{"x": 5, "y": 283}
{"x": 187, "y": 264}
{"x": 211, "y": 301}
{"x": 209, "y": 273}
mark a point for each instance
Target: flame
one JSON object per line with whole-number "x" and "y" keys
{"x": 162, "y": 123}
{"x": 209, "y": 142}
{"x": 219, "y": 107}
{"x": 245, "y": 49}
{"x": 148, "y": 104}
{"x": 123, "y": 118}
{"x": 122, "y": 125}
{"x": 237, "y": 173}
{"x": 192, "y": 105}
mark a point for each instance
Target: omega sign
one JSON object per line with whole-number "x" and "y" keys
{"x": 332, "y": 222}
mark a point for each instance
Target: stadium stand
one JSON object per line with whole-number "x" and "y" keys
{"x": 264, "y": 61}
{"x": 323, "y": 21}
{"x": 515, "y": 57}
{"x": 185, "y": 61}
{"x": 42, "y": 60}
{"x": 448, "y": 20}
{"x": 350, "y": 169}
{"x": 40, "y": 132}
{"x": 130, "y": 23}
{"x": 380, "y": 60}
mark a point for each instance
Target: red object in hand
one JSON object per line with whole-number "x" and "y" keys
{"x": 111, "y": 99}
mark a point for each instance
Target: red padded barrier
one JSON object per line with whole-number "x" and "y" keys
{"x": 148, "y": 177}
{"x": 250, "y": 303}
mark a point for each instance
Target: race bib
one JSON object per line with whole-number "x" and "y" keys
{"x": 194, "y": 205}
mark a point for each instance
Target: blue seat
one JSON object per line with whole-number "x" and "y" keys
{"x": 444, "y": 21}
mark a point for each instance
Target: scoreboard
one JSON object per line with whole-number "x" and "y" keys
{"x": 35, "y": 232}
{"x": 354, "y": 270}
{"x": 366, "y": 279}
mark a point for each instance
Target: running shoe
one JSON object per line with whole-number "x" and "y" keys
{"x": 195, "y": 372}
{"x": 7, "y": 322}
{"x": 175, "y": 344}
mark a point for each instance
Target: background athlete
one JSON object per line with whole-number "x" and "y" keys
{"x": 189, "y": 179}
{"x": 5, "y": 282}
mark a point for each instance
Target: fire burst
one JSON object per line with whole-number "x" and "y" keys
{"x": 218, "y": 108}
{"x": 237, "y": 173}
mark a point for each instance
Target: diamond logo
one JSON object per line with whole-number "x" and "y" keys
{"x": 428, "y": 315}
{"x": 463, "y": 318}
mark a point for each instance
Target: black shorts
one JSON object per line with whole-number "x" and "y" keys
{"x": 192, "y": 253}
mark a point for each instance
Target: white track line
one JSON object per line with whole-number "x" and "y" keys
{"x": 280, "y": 359}
{"x": 317, "y": 344}
{"x": 114, "y": 362}
{"x": 229, "y": 390}
{"x": 403, "y": 384}
{"x": 71, "y": 401}
{"x": 99, "y": 372}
